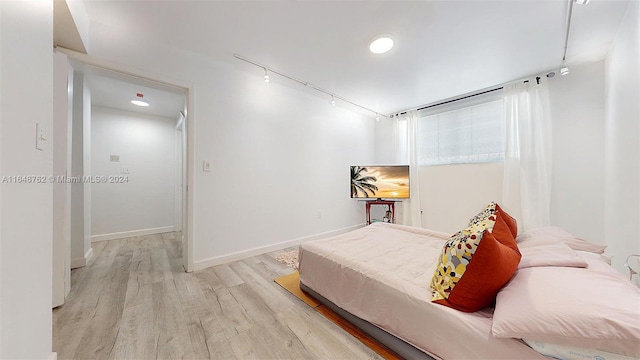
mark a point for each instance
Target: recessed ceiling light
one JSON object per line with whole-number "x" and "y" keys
{"x": 139, "y": 103}
{"x": 581, "y": 2}
{"x": 381, "y": 44}
{"x": 138, "y": 100}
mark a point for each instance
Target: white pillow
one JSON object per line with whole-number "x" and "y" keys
{"x": 593, "y": 308}
{"x": 550, "y": 255}
{"x": 554, "y": 235}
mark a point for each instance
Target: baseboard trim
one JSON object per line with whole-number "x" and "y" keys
{"x": 78, "y": 263}
{"x": 126, "y": 234}
{"x": 53, "y": 356}
{"x": 219, "y": 260}
{"x": 83, "y": 261}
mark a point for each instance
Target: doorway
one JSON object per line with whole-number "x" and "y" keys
{"x": 72, "y": 241}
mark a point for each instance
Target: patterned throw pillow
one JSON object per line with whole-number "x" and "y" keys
{"x": 490, "y": 211}
{"x": 476, "y": 262}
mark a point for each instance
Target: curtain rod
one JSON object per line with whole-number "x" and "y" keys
{"x": 460, "y": 98}
{"x": 309, "y": 85}
{"x": 550, "y": 74}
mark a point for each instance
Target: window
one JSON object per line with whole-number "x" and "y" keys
{"x": 468, "y": 132}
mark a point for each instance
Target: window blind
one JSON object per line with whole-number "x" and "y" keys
{"x": 469, "y": 134}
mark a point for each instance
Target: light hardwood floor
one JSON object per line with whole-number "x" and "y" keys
{"x": 134, "y": 301}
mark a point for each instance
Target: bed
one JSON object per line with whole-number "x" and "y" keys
{"x": 379, "y": 277}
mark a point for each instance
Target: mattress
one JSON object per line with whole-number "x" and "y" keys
{"x": 381, "y": 274}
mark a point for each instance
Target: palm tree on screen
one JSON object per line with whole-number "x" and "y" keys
{"x": 360, "y": 183}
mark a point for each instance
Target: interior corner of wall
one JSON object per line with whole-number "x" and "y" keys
{"x": 81, "y": 19}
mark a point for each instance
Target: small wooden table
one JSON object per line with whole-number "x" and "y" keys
{"x": 390, "y": 207}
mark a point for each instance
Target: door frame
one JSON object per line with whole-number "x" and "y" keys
{"x": 189, "y": 88}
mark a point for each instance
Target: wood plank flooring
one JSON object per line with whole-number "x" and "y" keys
{"x": 134, "y": 301}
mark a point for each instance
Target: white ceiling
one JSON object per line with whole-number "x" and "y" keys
{"x": 116, "y": 90}
{"x": 443, "y": 48}
{"x": 109, "y": 92}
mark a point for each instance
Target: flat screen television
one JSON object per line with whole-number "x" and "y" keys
{"x": 381, "y": 182}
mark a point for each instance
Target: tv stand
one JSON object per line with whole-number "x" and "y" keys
{"x": 390, "y": 204}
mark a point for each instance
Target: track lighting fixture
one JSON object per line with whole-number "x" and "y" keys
{"x": 306, "y": 84}
{"x": 564, "y": 70}
{"x": 266, "y": 76}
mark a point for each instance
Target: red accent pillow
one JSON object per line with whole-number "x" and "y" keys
{"x": 477, "y": 262}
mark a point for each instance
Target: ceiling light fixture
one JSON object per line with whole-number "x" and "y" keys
{"x": 138, "y": 101}
{"x": 564, "y": 70}
{"x": 266, "y": 76}
{"x": 307, "y": 84}
{"x": 381, "y": 44}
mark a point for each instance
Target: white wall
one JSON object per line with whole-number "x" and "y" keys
{"x": 280, "y": 156}
{"x": 26, "y": 38}
{"x": 451, "y": 194}
{"x": 577, "y": 109}
{"x": 622, "y": 137}
{"x": 146, "y": 147}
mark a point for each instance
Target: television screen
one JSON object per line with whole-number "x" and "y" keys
{"x": 388, "y": 182}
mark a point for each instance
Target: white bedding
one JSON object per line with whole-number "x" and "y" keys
{"x": 381, "y": 273}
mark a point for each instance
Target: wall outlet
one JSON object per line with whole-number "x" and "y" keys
{"x": 114, "y": 158}
{"x": 206, "y": 166}
{"x": 124, "y": 170}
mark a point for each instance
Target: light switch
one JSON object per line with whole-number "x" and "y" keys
{"x": 40, "y": 138}
{"x": 206, "y": 166}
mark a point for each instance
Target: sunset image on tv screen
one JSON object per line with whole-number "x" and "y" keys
{"x": 385, "y": 182}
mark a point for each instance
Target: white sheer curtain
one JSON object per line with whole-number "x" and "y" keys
{"x": 406, "y": 151}
{"x": 527, "y": 164}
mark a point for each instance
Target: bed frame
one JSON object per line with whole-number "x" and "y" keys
{"x": 398, "y": 346}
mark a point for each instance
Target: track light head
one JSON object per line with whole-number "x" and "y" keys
{"x": 266, "y": 76}
{"x": 564, "y": 71}
{"x": 333, "y": 100}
